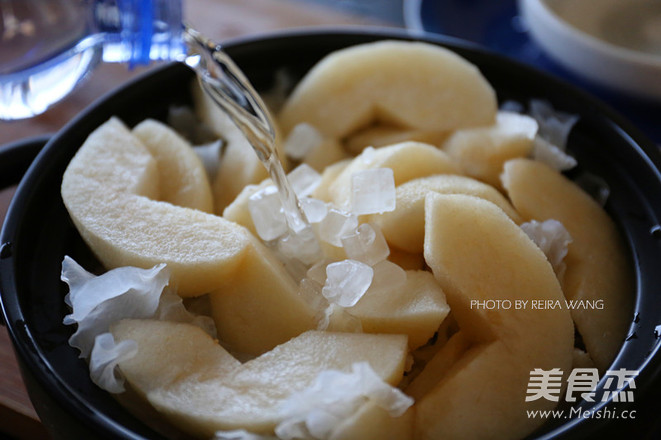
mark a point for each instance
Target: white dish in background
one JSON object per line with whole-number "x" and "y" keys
{"x": 616, "y": 43}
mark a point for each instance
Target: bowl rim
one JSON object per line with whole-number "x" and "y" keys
{"x": 30, "y": 353}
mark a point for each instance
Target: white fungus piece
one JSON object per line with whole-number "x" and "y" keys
{"x": 98, "y": 301}
{"x": 241, "y": 434}
{"x": 302, "y": 140}
{"x": 315, "y": 412}
{"x": 335, "y": 225}
{"x": 315, "y": 210}
{"x": 346, "y": 282}
{"x": 366, "y": 244}
{"x": 387, "y": 276}
{"x": 551, "y": 155}
{"x": 304, "y": 180}
{"x": 335, "y": 318}
{"x": 373, "y": 191}
{"x": 210, "y": 154}
{"x": 554, "y": 126}
{"x": 267, "y": 213}
{"x": 105, "y": 356}
{"x": 553, "y": 239}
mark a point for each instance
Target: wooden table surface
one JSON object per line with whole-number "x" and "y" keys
{"x": 220, "y": 20}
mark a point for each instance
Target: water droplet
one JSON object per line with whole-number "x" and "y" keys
{"x": 632, "y": 336}
{"x": 656, "y": 232}
{"x": 636, "y": 318}
{"x": 5, "y": 250}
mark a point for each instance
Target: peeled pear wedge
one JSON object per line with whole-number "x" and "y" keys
{"x": 259, "y": 306}
{"x": 381, "y": 135}
{"x": 409, "y": 84}
{"x": 326, "y": 154}
{"x": 407, "y": 260}
{"x": 210, "y": 392}
{"x": 438, "y": 366}
{"x": 597, "y": 264}
{"x": 168, "y": 349}
{"x": 404, "y": 227}
{"x": 408, "y": 160}
{"x": 110, "y": 190}
{"x": 482, "y": 151}
{"x": 182, "y": 178}
{"x": 478, "y": 253}
{"x": 416, "y": 309}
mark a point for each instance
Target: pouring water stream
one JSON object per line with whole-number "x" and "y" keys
{"x": 224, "y": 82}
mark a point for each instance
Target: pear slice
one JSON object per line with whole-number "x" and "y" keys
{"x": 110, "y": 189}
{"x": 166, "y": 350}
{"x": 404, "y": 227}
{"x": 416, "y": 309}
{"x": 182, "y": 178}
{"x": 326, "y": 154}
{"x": 408, "y": 160}
{"x": 205, "y": 397}
{"x": 381, "y": 135}
{"x": 597, "y": 264}
{"x": 478, "y": 253}
{"x": 482, "y": 151}
{"x": 409, "y": 84}
{"x": 259, "y": 306}
{"x": 407, "y": 260}
{"x": 438, "y": 366}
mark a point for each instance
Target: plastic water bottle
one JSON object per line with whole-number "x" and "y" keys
{"x": 48, "y": 47}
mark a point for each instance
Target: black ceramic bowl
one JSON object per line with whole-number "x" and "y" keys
{"x": 38, "y": 232}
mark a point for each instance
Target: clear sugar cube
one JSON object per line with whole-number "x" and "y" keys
{"x": 302, "y": 245}
{"x": 373, "y": 191}
{"x": 336, "y": 225}
{"x": 314, "y": 209}
{"x": 346, "y": 282}
{"x": 366, "y": 244}
{"x": 267, "y": 213}
{"x": 304, "y": 180}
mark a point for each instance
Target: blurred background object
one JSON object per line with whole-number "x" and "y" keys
{"x": 499, "y": 26}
